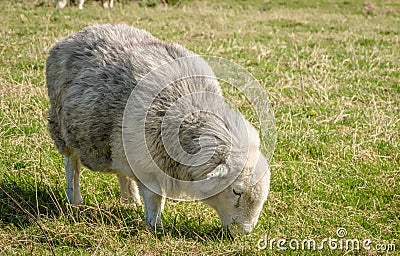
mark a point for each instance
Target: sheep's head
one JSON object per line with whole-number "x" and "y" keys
{"x": 218, "y": 153}
{"x": 240, "y": 204}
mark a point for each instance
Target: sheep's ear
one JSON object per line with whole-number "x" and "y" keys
{"x": 220, "y": 171}
{"x": 261, "y": 168}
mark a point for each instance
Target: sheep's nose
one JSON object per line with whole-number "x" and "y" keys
{"x": 243, "y": 229}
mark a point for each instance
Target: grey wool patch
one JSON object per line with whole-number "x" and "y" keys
{"x": 90, "y": 76}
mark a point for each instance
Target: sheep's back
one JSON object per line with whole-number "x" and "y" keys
{"x": 90, "y": 76}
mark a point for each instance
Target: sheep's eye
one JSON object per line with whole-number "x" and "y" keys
{"x": 237, "y": 193}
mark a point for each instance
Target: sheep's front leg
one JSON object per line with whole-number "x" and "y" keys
{"x": 72, "y": 173}
{"x": 129, "y": 190}
{"x": 154, "y": 205}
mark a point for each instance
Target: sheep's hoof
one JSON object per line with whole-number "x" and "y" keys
{"x": 155, "y": 225}
{"x": 75, "y": 202}
{"x": 155, "y": 228}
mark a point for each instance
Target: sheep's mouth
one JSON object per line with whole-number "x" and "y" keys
{"x": 240, "y": 229}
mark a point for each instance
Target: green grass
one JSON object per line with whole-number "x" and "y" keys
{"x": 332, "y": 73}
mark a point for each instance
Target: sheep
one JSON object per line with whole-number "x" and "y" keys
{"x": 62, "y": 3}
{"x": 106, "y": 82}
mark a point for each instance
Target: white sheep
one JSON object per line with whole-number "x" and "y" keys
{"x": 62, "y": 3}
{"x": 93, "y": 74}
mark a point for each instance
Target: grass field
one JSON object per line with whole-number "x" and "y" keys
{"x": 332, "y": 73}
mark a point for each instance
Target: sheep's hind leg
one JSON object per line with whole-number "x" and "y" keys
{"x": 129, "y": 190}
{"x": 72, "y": 172}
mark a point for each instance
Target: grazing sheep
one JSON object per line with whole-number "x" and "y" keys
{"x": 62, "y": 3}
{"x": 93, "y": 74}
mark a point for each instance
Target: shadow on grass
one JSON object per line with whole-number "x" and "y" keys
{"x": 204, "y": 234}
{"x": 24, "y": 202}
